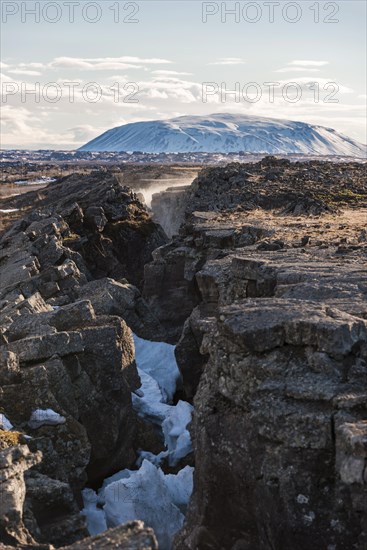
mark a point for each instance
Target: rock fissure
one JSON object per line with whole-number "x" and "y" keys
{"x": 263, "y": 291}
{"x": 273, "y": 356}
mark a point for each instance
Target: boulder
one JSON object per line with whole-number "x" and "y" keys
{"x": 130, "y": 536}
{"x": 14, "y": 461}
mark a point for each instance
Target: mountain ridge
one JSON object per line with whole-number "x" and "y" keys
{"x": 224, "y": 133}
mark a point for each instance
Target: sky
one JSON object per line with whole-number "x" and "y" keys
{"x": 74, "y": 69}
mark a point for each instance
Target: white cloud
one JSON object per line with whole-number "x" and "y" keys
{"x": 84, "y": 133}
{"x": 178, "y": 90}
{"x": 297, "y": 69}
{"x": 97, "y": 64}
{"x": 86, "y": 64}
{"x": 308, "y": 63}
{"x": 105, "y": 63}
{"x": 327, "y": 85}
{"x": 229, "y": 61}
{"x": 302, "y": 65}
{"x": 24, "y": 72}
{"x": 17, "y": 120}
{"x": 161, "y": 94}
{"x": 31, "y": 65}
{"x": 170, "y": 73}
{"x": 145, "y": 61}
{"x": 5, "y": 78}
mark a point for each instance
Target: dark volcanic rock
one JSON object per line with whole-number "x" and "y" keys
{"x": 131, "y": 536}
{"x": 299, "y": 188}
{"x": 14, "y": 461}
{"x": 16, "y": 514}
{"x": 110, "y": 297}
{"x": 187, "y": 351}
{"x": 279, "y": 429}
{"x": 274, "y": 353}
{"x": 65, "y": 345}
{"x": 279, "y": 426}
{"x": 171, "y": 287}
{"x": 103, "y": 221}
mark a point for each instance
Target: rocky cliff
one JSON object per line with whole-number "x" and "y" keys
{"x": 67, "y": 365}
{"x": 274, "y": 354}
{"x": 297, "y": 188}
{"x": 264, "y": 290}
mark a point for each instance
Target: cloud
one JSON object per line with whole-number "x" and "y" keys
{"x": 297, "y": 69}
{"x": 308, "y": 63}
{"x": 98, "y": 64}
{"x": 229, "y": 61}
{"x": 85, "y": 64}
{"x": 302, "y": 65}
{"x": 105, "y": 63}
{"x": 31, "y": 65}
{"x": 163, "y": 93}
{"x": 83, "y": 133}
{"x": 326, "y": 85}
{"x": 170, "y": 73}
{"x": 169, "y": 87}
{"x": 31, "y": 69}
{"x": 5, "y": 78}
{"x": 145, "y": 61}
{"x": 24, "y": 72}
{"x": 17, "y": 120}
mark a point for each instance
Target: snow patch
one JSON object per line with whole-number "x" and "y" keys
{"x": 158, "y": 360}
{"x": 150, "y": 405}
{"x": 96, "y": 519}
{"x": 159, "y": 374}
{"x": 43, "y": 180}
{"x": 176, "y": 435}
{"x": 146, "y": 494}
{"x": 45, "y": 417}
{"x": 5, "y": 424}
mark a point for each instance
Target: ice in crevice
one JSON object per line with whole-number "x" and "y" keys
{"x": 159, "y": 376}
{"x": 158, "y": 499}
{"x": 45, "y": 417}
{"x": 5, "y": 423}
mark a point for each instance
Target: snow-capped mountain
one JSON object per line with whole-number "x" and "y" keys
{"x": 226, "y": 133}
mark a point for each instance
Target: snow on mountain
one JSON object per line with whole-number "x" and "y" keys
{"x": 226, "y": 133}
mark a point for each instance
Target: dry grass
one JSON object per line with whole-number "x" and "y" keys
{"x": 327, "y": 228}
{"x": 10, "y": 439}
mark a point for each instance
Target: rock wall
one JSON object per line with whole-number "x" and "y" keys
{"x": 131, "y": 536}
{"x": 274, "y": 355}
{"x": 169, "y": 208}
{"x": 280, "y": 429}
{"x": 280, "y": 424}
{"x": 67, "y": 364}
{"x": 14, "y": 461}
{"x": 171, "y": 286}
{"x": 269, "y": 311}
